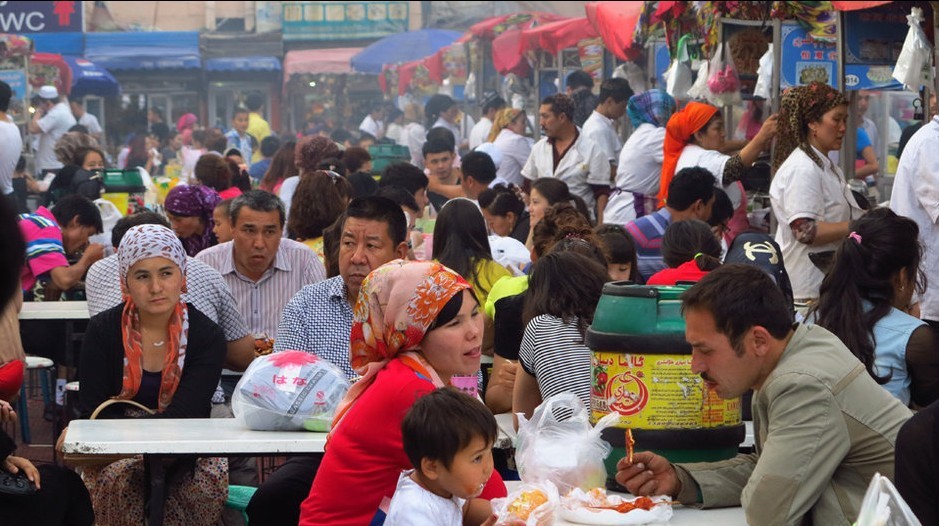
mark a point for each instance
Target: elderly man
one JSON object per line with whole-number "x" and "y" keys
{"x": 318, "y": 320}
{"x": 823, "y": 426}
{"x": 205, "y": 289}
{"x": 564, "y": 153}
{"x": 51, "y": 120}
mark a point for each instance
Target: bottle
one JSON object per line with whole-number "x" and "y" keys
{"x": 873, "y": 194}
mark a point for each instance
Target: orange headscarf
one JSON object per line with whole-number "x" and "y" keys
{"x": 683, "y": 124}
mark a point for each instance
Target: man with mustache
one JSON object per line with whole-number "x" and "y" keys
{"x": 823, "y": 426}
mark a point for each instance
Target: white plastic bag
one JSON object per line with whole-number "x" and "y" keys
{"x": 289, "y": 391}
{"x": 559, "y": 445}
{"x": 914, "y": 57}
{"x": 764, "y": 75}
{"x": 678, "y": 79}
{"x": 723, "y": 82}
{"x": 883, "y": 506}
{"x": 699, "y": 91}
{"x": 535, "y": 504}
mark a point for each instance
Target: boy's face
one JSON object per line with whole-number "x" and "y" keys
{"x": 222, "y": 228}
{"x": 439, "y": 164}
{"x": 240, "y": 122}
{"x": 470, "y": 470}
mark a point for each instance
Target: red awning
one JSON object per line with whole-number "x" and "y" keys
{"x": 335, "y": 60}
{"x": 50, "y": 69}
{"x": 508, "y": 53}
{"x": 855, "y": 6}
{"x": 493, "y": 27}
{"x": 558, "y": 35}
{"x": 616, "y": 24}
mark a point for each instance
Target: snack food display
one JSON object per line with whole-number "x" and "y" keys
{"x": 596, "y": 507}
{"x": 263, "y": 344}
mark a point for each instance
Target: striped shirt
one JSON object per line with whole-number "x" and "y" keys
{"x": 647, "y": 232}
{"x": 262, "y": 302}
{"x": 554, "y": 353}
{"x": 205, "y": 290}
{"x": 44, "y": 248}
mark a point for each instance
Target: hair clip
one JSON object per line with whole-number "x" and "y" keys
{"x": 856, "y": 237}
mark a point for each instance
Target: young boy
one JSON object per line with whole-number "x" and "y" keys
{"x": 222, "y": 228}
{"x": 448, "y": 437}
{"x": 238, "y": 138}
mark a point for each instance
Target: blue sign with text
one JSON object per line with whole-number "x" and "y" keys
{"x": 25, "y": 18}
{"x": 806, "y": 60}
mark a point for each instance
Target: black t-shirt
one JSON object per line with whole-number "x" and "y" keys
{"x": 508, "y": 328}
{"x": 437, "y": 200}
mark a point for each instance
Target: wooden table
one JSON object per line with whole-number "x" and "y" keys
{"x": 157, "y": 439}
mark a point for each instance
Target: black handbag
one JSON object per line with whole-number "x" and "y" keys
{"x": 17, "y": 485}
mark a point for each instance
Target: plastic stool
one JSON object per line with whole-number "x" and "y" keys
{"x": 33, "y": 363}
{"x": 239, "y": 497}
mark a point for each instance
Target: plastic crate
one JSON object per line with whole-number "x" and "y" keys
{"x": 123, "y": 181}
{"x": 385, "y": 154}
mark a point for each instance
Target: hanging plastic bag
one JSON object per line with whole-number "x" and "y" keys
{"x": 883, "y": 506}
{"x": 531, "y": 504}
{"x": 914, "y": 57}
{"x": 289, "y": 391}
{"x": 699, "y": 91}
{"x": 764, "y": 75}
{"x": 723, "y": 82}
{"x": 559, "y": 445}
{"x": 678, "y": 76}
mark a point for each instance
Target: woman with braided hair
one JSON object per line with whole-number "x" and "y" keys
{"x": 809, "y": 193}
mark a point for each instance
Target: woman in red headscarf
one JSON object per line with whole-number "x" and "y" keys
{"x": 414, "y": 326}
{"x": 694, "y": 136}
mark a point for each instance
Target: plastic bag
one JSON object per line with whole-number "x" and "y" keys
{"x": 723, "y": 83}
{"x": 289, "y": 391}
{"x": 883, "y": 506}
{"x": 764, "y": 75}
{"x": 678, "y": 75}
{"x": 535, "y": 504}
{"x": 914, "y": 56}
{"x": 699, "y": 91}
{"x": 559, "y": 445}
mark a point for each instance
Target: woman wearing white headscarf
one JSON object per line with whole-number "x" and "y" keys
{"x": 161, "y": 352}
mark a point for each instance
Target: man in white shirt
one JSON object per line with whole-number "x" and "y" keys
{"x": 600, "y": 127}
{"x": 89, "y": 121}
{"x": 915, "y": 195}
{"x": 491, "y": 105}
{"x": 50, "y": 121}
{"x": 372, "y": 123}
{"x": 11, "y": 144}
{"x": 565, "y": 154}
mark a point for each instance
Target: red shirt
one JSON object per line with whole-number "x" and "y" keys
{"x": 685, "y": 272}
{"x": 365, "y": 455}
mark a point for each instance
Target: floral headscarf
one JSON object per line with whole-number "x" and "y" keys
{"x": 194, "y": 201}
{"x": 397, "y": 303}
{"x": 653, "y": 107}
{"x": 799, "y": 106}
{"x": 503, "y": 118}
{"x": 139, "y": 243}
{"x": 681, "y": 126}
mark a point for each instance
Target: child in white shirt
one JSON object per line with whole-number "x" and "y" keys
{"x": 448, "y": 437}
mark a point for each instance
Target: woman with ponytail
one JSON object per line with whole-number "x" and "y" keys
{"x": 690, "y": 250}
{"x": 865, "y": 299}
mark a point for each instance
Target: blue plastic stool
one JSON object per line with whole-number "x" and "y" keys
{"x": 46, "y": 368}
{"x": 239, "y": 497}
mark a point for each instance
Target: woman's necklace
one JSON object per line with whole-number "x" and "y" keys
{"x": 159, "y": 343}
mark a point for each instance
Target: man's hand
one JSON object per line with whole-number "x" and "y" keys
{"x": 93, "y": 253}
{"x": 649, "y": 474}
{"x": 14, "y": 464}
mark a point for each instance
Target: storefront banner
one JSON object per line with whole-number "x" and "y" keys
{"x": 872, "y": 43}
{"x": 806, "y": 60}
{"x": 16, "y": 78}
{"x": 331, "y": 21}
{"x": 40, "y": 17}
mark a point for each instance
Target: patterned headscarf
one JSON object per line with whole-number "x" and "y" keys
{"x": 681, "y": 126}
{"x": 653, "y": 107}
{"x": 799, "y": 106}
{"x": 504, "y": 117}
{"x": 139, "y": 243}
{"x": 397, "y": 304}
{"x": 187, "y": 121}
{"x": 194, "y": 201}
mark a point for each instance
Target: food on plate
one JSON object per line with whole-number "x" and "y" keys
{"x": 596, "y": 507}
{"x": 263, "y": 345}
{"x": 630, "y": 442}
{"x": 526, "y": 503}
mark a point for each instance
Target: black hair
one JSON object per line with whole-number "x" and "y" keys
{"x": 199, "y": 136}
{"x": 400, "y": 195}
{"x": 6, "y": 93}
{"x": 579, "y": 79}
{"x": 461, "y": 240}
{"x": 688, "y": 186}
{"x": 157, "y": 111}
{"x": 340, "y": 136}
{"x": 405, "y": 175}
{"x": 331, "y": 238}
{"x": 269, "y": 146}
{"x": 616, "y": 88}
{"x": 620, "y": 248}
{"x": 442, "y": 423}
{"x": 449, "y": 311}
{"x": 333, "y": 164}
{"x": 440, "y": 133}
{"x": 559, "y": 104}
{"x": 383, "y": 210}
{"x": 500, "y": 200}
{"x": 355, "y": 157}
{"x": 479, "y": 166}
{"x": 363, "y": 184}
{"x": 723, "y": 208}
{"x": 556, "y": 191}
{"x": 864, "y": 271}
{"x": 393, "y": 114}
{"x": 80, "y": 128}
{"x": 260, "y": 201}
{"x": 239, "y": 109}
{"x": 562, "y": 221}
{"x": 566, "y": 285}
{"x": 740, "y": 297}
{"x": 13, "y": 253}
{"x": 213, "y": 171}
{"x": 688, "y": 240}
{"x": 76, "y": 205}
{"x": 436, "y": 105}
{"x": 125, "y": 223}
{"x": 494, "y": 102}
{"x": 254, "y": 101}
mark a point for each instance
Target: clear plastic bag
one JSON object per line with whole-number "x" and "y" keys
{"x": 559, "y": 445}
{"x": 289, "y": 391}
{"x": 883, "y": 506}
{"x": 764, "y": 75}
{"x": 533, "y": 504}
{"x": 723, "y": 82}
{"x": 914, "y": 56}
{"x": 699, "y": 90}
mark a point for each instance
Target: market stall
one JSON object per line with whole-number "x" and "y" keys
{"x": 319, "y": 85}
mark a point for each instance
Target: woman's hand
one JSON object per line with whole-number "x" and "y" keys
{"x": 14, "y": 464}
{"x": 767, "y": 131}
{"x": 61, "y": 441}
{"x": 7, "y": 414}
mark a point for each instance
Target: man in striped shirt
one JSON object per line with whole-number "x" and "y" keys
{"x": 690, "y": 196}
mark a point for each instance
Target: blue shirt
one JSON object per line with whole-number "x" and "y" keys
{"x": 258, "y": 169}
{"x": 240, "y": 142}
{"x": 318, "y": 319}
{"x": 647, "y": 232}
{"x": 863, "y": 141}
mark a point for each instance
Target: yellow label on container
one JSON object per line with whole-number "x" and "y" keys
{"x": 656, "y": 391}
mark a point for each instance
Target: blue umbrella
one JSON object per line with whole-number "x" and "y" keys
{"x": 90, "y": 79}
{"x": 402, "y": 47}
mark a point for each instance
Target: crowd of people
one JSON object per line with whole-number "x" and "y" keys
{"x": 484, "y": 242}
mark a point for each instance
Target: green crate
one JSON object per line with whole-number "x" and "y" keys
{"x": 129, "y": 181}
